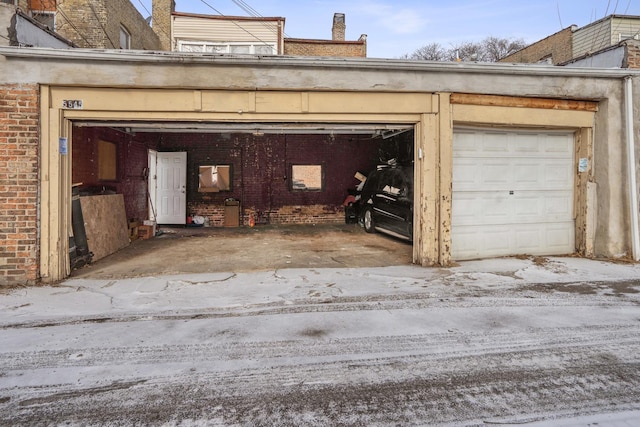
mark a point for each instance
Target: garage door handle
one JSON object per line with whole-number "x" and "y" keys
{"x": 511, "y": 192}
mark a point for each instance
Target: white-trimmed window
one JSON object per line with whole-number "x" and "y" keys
{"x": 125, "y": 38}
{"x": 622, "y": 36}
{"x": 235, "y": 48}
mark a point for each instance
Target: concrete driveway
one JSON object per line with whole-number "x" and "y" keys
{"x": 178, "y": 250}
{"x": 538, "y": 342}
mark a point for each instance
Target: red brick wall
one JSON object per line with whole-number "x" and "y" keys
{"x": 48, "y": 5}
{"x": 261, "y": 168}
{"x": 19, "y": 138}
{"x": 633, "y": 54}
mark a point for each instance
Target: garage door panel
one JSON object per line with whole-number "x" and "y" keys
{"x": 495, "y": 144}
{"x": 514, "y": 144}
{"x": 495, "y": 173}
{"x": 466, "y": 208}
{"x": 491, "y": 208}
{"x": 526, "y": 144}
{"x": 512, "y": 194}
{"x": 558, "y": 145}
{"x": 526, "y": 174}
{"x": 499, "y": 240}
{"x": 511, "y": 174}
{"x": 468, "y": 174}
{"x": 556, "y": 175}
{"x": 560, "y": 236}
{"x": 527, "y": 209}
{"x": 469, "y": 236}
{"x": 559, "y": 206}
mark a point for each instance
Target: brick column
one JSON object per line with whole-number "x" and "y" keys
{"x": 19, "y": 139}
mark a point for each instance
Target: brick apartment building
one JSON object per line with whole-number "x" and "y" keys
{"x": 96, "y": 24}
{"x": 609, "y": 42}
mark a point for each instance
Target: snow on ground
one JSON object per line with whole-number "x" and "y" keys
{"x": 86, "y": 297}
{"x": 553, "y": 341}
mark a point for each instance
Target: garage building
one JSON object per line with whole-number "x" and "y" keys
{"x": 508, "y": 159}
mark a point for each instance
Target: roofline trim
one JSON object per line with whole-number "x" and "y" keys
{"x": 162, "y": 57}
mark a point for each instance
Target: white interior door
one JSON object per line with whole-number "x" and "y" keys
{"x": 171, "y": 192}
{"x": 152, "y": 183}
{"x": 512, "y": 193}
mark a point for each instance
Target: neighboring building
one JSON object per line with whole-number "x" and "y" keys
{"x": 337, "y": 46}
{"x": 98, "y": 24}
{"x": 117, "y": 24}
{"x": 227, "y": 34}
{"x": 574, "y": 42}
{"x": 625, "y": 54}
{"x": 20, "y": 29}
{"x": 104, "y": 24}
{"x": 189, "y": 32}
{"x": 604, "y": 33}
{"x": 554, "y": 49}
{"x": 508, "y": 159}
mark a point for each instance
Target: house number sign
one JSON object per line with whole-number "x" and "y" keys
{"x": 72, "y": 104}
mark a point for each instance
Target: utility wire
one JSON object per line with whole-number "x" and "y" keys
{"x": 70, "y": 22}
{"x": 597, "y": 38}
{"x": 104, "y": 30}
{"x": 251, "y": 11}
{"x": 626, "y": 10}
{"x": 237, "y": 25}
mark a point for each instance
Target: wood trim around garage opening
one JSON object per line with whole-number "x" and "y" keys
{"x": 522, "y": 102}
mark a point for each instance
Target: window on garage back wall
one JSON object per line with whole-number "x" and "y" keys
{"x": 307, "y": 177}
{"x": 214, "y": 178}
{"x": 107, "y": 165}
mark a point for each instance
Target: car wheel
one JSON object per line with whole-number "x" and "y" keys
{"x": 369, "y": 224}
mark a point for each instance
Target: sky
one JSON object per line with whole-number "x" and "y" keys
{"x": 397, "y": 27}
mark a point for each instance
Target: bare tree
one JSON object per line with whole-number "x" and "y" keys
{"x": 429, "y": 52}
{"x": 497, "y": 48}
{"x": 491, "y": 49}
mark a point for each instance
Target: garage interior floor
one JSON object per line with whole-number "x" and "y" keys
{"x": 180, "y": 250}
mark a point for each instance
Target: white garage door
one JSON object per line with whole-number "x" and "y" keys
{"x": 512, "y": 193}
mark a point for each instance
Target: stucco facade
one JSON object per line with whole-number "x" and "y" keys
{"x": 434, "y": 99}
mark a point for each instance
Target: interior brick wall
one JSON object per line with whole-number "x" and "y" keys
{"x": 132, "y": 159}
{"x": 261, "y": 173}
{"x": 261, "y": 167}
{"x": 19, "y": 139}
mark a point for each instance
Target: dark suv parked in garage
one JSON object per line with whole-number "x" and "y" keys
{"x": 386, "y": 201}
